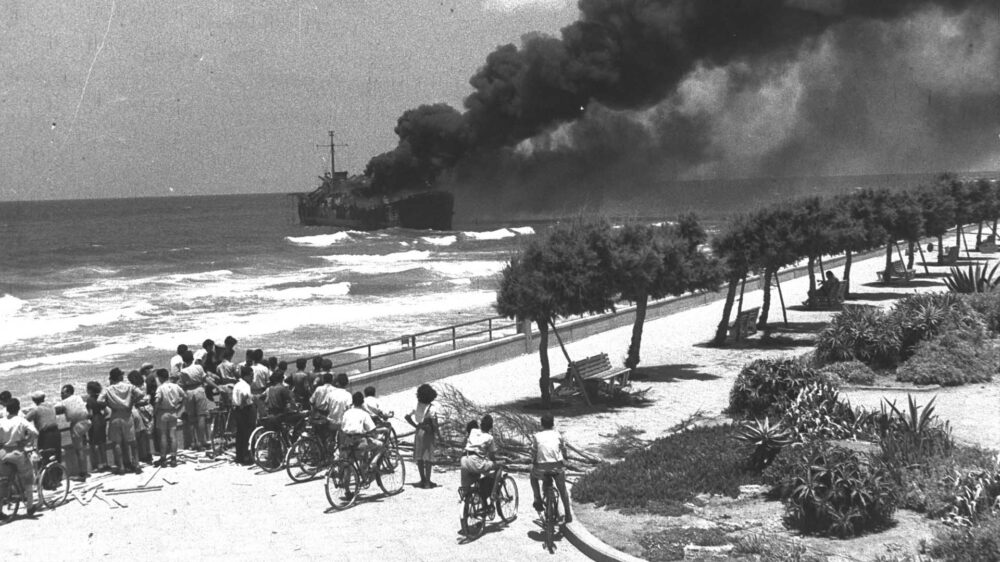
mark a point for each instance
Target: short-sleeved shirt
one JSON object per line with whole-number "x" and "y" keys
{"x": 261, "y": 375}
{"x": 547, "y": 446}
{"x": 176, "y": 364}
{"x": 192, "y": 376}
{"x": 480, "y": 443}
{"x": 373, "y": 407}
{"x": 338, "y": 401}
{"x": 278, "y": 399}
{"x": 74, "y": 408}
{"x": 241, "y": 394}
{"x": 226, "y": 370}
{"x": 120, "y": 397}
{"x": 169, "y": 398}
{"x": 16, "y": 432}
{"x": 318, "y": 398}
{"x": 356, "y": 421}
{"x": 43, "y": 416}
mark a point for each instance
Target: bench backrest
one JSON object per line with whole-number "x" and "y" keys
{"x": 593, "y": 365}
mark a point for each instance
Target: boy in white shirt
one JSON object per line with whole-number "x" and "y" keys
{"x": 357, "y": 426}
{"x": 548, "y": 451}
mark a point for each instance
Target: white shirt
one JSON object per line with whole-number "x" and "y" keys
{"x": 547, "y": 446}
{"x": 176, "y": 364}
{"x": 200, "y": 354}
{"x": 241, "y": 394}
{"x": 261, "y": 375}
{"x": 373, "y": 407}
{"x": 357, "y": 422}
{"x": 480, "y": 443}
{"x": 338, "y": 401}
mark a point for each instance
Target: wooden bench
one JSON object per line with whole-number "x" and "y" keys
{"x": 987, "y": 246}
{"x": 745, "y": 324}
{"x": 828, "y": 302}
{"x": 596, "y": 369}
{"x": 950, "y": 258}
{"x": 897, "y": 272}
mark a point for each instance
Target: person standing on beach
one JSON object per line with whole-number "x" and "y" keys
{"x": 4, "y": 398}
{"x": 142, "y": 418}
{"x": 149, "y": 375}
{"x": 43, "y": 415}
{"x": 16, "y": 433}
{"x": 98, "y": 428}
{"x": 177, "y": 361}
{"x": 244, "y": 414}
{"x": 206, "y": 355}
{"x": 192, "y": 380}
{"x": 300, "y": 383}
{"x": 169, "y": 404}
{"x": 261, "y": 374}
{"x": 120, "y": 397}
{"x": 424, "y": 419}
{"x": 75, "y": 410}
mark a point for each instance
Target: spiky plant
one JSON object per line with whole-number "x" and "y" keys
{"x": 977, "y": 280}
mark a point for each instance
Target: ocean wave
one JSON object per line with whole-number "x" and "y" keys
{"x": 321, "y": 240}
{"x": 523, "y": 230}
{"x": 208, "y": 276}
{"x": 310, "y": 292}
{"x": 9, "y": 305}
{"x": 439, "y": 240}
{"x": 498, "y": 234}
{"x": 97, "y": 354}
{"x": 364, "y": 259}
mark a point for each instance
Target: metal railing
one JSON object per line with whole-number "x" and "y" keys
{"x": 410, "y": 347}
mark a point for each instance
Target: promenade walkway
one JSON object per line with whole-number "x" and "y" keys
{"x": 233, "y": 512}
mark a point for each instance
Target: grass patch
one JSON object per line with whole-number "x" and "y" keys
{"x": 670, "y": 472}
{"x": 668, "y": 544}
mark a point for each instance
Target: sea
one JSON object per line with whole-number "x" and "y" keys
{"x": 87, "y": 285}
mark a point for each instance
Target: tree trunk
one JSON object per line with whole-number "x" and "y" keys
{"x": 727, "y": 309}
{"x": 913, "y": 251}
{"x": 847, "y": 274}
{"x": 995, "y": 227}
{"x": 940, "y": 248}
{"x": 979, "y": 235}
{"x": 812, "y": 275}
{"x": 766, "y": 306}
{"x": 958, "y": 236}
{"x": 888, "y": 263}
{"x": 632, "y": 361}
{"x": 544, "y": 383}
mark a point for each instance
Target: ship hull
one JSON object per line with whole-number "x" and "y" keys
{"x": 430, "y": 210}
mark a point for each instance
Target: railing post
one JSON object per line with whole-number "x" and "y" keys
{"x": 413, "y": 346}
{"x": 489, "y": 328}
{"x": 369, "y": 357}
{"x": 454, "y": 344}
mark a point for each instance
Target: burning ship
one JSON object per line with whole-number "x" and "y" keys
{"x": 351, "y": 203}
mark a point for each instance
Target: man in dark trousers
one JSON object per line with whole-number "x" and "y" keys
{"x": 243, "y": 411}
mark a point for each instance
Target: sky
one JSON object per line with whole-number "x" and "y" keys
{"x": 129, "y": 98}
{"x": 123, "y": 98}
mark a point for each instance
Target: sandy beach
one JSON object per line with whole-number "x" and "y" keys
{"x": 231, "y": 512}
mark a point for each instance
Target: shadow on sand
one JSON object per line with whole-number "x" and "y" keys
{"x": 671, "y": 373}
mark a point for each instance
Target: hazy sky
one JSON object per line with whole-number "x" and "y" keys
{"x": 110, "y": 98}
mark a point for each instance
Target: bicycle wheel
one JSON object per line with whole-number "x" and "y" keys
{"x": 53, "y": 485}
{"x": 551, "y": 517}
{"x": 217, "y": 433}
{"x": 255, "y": 435}
{"x": 507, "y": 499}
{"x": 10, "y": 504}
{"x": 304, "y": 459}
{"x": 342, "y": 485}
{"x": 473, "y": 514}
{"x": 392, "y": 442}
{"x": 390, "y": 472}
{"x": 269, "y": 452}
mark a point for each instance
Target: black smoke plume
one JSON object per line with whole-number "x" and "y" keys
{"x": 619, "y": 98}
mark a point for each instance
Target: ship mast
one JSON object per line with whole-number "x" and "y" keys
{"x": 333, "y": 153}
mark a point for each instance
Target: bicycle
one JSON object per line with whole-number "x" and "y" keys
{"x": 15, "y": 492}
{"x": 271, "y": 447}
{"x": 504, "y": 502}
{"x": 312, "y": 452}
{"x": 349, "y": 474}
{"x": 51, "y": 479}
{"x": 221, "y": 430}
{"x": 550, "y": 511}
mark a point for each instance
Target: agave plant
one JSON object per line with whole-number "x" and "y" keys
{"x": 977, "y": 280}
{"x": 767, "y": 439}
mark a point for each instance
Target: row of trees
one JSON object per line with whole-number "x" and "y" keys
{"x": 771, "y": 238}
{"x": 582, "y": 267}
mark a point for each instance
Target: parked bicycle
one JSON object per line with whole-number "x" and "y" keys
{"x": 15, "y": 492}
{"x": 51, "y": 479}
{"x": 280, "y": 433}
{"x": 502, "y": 500}
{"x": 312, "y": 452}
{"x": 221, "y": 430}
{"x": 354, "y": 469}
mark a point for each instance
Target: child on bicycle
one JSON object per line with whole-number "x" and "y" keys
{"x": 359, "y": 430}
{"x": 548, "y": 451}
{"x": 479, "y": 459}
{"x": 15, "y": 434}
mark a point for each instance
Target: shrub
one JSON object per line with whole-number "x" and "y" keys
{"x": 976, "y": 280}
{"x": 921, "y": 317}
{"x": 928, "y": 487}
{"x": 950, "y": 360}
{"x": 668, "y": 544}
{"x": 866, "y": 334}
{"x": 819, "y": 413}
{"x": 766, "y": 438}
{"x": 837, "y": 492}
{"x": 765, "y": 387}
{"x": 977, "y": 544}
{"x": 911, "y": 436}
{"x": 987, "y": 305}
{"x": 851, "y": 372}
{"x": 671, "y": 471}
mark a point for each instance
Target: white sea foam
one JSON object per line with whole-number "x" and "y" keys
{"x": 306, "y": 293}
{"x": 523, "y": 230}
{"x": 366, "y": 259}
{"x": 321, "y": 240}
{"x": 439, "y": 240}
{"x": 490, "y": 235}
{"x": 9, "y": 304}
{"x": 465, "y": 268}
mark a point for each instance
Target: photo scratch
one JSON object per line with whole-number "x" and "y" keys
{"x": 86, "y": 80}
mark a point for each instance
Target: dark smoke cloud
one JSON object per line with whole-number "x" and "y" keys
{"x": 637, "y": 91}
